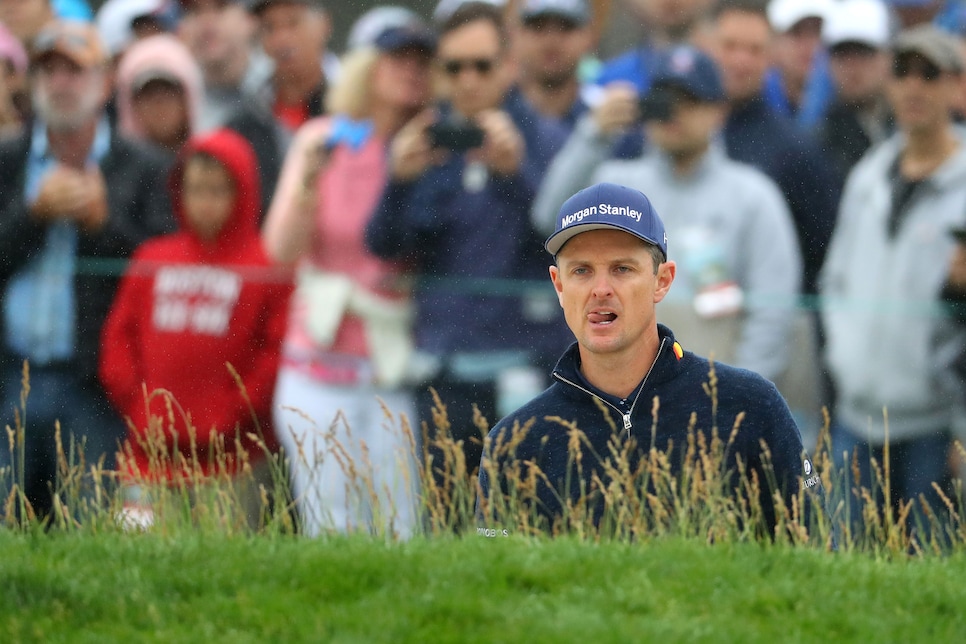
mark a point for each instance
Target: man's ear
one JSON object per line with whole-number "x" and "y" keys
{"x": 557, "y": 284}
{"x": 665, "y": 277}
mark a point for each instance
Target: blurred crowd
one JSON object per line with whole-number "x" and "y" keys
{"x": 216, "y": 228}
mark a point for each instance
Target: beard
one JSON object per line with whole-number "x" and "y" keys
{"x": 66, "y": 119}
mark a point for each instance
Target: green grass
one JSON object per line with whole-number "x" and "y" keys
{"x": 116, "y": 587}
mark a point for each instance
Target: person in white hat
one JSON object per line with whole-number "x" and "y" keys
{"x": 856, "y": 33}
{"x": 795, "y": 83}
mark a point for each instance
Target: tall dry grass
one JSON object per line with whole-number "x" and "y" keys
{"x": 644, "y": 495}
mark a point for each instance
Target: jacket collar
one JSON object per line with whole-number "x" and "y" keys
{"x": 666, "y": 368}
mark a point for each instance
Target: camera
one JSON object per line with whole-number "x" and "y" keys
{"x": 658, "y": 105}
{"x": 457, "y": 137}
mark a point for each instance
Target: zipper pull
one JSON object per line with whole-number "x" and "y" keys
{"x": 627, "y": 422}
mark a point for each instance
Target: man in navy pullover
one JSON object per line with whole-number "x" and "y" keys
{"x": 627, "y": 383}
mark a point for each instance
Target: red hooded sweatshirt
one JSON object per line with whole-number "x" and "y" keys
{"x": 185, "y": 308}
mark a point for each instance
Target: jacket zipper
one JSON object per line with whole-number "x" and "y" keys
{"x": 626, "y": 417}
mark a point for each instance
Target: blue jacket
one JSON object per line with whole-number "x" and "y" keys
{"x": 467, "y": 245}
{"x": 678, "y": 384}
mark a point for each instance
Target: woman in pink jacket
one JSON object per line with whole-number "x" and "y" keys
{"x": 341, "y": 407}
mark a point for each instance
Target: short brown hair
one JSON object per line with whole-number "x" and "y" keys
{"x": 473, "y": 12}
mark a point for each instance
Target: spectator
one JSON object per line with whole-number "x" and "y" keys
{"x": 348, "y": 333}
{"x": 889, "y": 352}
{"x": 121, "y": 23}
{"x": 159, "y": 92}
{"x": 190, "y": 304}
{"x": 755, "y": 134}
{"x": 628, "y": 386}
{"x": 294, "y": 34}
{"x": 25, "y": 18}
{"x": 856, "y": 33}
{"x": 743, "y": 265}
{"x": 56, "y": 212}
{"x": 554, "y": 37}
{"x": 220, "y": 35}
{"x": 799, "y": 86}
{"x": 14, "y": 97}
{"x": 461, "y": 218}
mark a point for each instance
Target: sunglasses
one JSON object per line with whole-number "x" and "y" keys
{"x": 905, "y": 66}
{"x": 481, "y": 66}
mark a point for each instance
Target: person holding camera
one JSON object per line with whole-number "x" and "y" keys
{"x": 462, "y": 178}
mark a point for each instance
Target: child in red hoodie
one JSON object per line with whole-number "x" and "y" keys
{"x": 191, "y": 303}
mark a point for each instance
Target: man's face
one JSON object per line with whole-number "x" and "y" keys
{"x": 474, "y": 68}
{"x": 795, "y": 49}
{"x": 607, "y": 287}
{"x": 216, "y": 31}
{"x": 24, "y": 18}
{"x": 859, "y": 72}
{"x": 740, "y": 44}
{"x": 293, "y": 35}
{"x": 920, "y": 93}
{"x": 550, "y": 49}
{"x": 691, "y": 127}
{"x": 65, "y": 95}
{"x": 401, "y": 79}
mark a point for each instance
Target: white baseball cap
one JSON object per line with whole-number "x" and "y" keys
{"x": 860, "y": 21}
{"x": 785, "y": 14}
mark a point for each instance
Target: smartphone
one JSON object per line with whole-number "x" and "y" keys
{"x": 959, "y": 234}
{"x": 455, "y": 137}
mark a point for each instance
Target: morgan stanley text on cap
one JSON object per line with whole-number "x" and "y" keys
{"x": 608, "y": 205}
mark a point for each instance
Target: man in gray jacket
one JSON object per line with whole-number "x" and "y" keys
{"x": 737, "y": 252}
{"x": 890, "y": 343}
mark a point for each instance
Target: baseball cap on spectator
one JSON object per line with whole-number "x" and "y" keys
{"x": 391, "y": 28}
{"x": 11, "y": 51}
{"x": 608, "y": 206}
{"x": 691, "y": 70}
{"x": 447, "y": 8}
{"x": 785, "y": 14}
{"x": 865, "y": 22}
{"x": 938, "y": 47}
{"x": 116, "y": 19}
{"x": 77, "y": 41}
{"x": 573, "y": 11}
